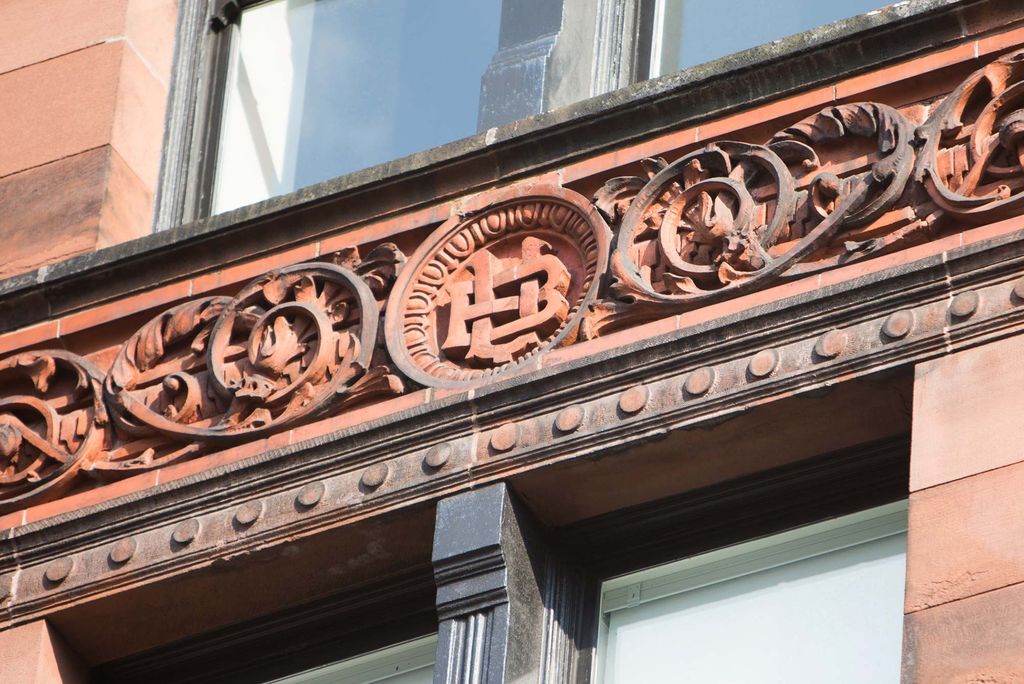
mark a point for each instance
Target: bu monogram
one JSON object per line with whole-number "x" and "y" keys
{"x": 501, "y": 310}
{"x": 493, "y": 288}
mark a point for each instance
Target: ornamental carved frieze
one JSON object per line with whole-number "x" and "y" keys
{"x": 972, "y": 146}
{"x": 850, "y": 182}
{"x": 490, "y": 290}
{"x": 290, "y": 346}
{"x": 732, "y": 217}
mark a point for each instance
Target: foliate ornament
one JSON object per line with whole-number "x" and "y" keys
{"x": 703, "y": 222}
{"x": 972, "y": 146}
{"x": 861, "y": 149}
{"x": 291, "y": 345}
{"x": 489, "y": 291}
{"x": 733, "y": 216}
{"x": 52, "y": 422}
{"x": 887, "y": 136}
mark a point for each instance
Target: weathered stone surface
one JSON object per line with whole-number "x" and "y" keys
{"x": 979, "y": 639}
{"x": 58, "y": 108}
{"x": 63, "y": 200}
{"x": 67, "y": 25}
{"x": 967, "y": 413}
{"x": 34, "y": 653}
{"x": 965, "y": 537}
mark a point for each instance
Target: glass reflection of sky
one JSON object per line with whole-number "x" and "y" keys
{"x": 716, "y": 28}
{"x": 391, "y": 77}
{"x": 321, "y": 88}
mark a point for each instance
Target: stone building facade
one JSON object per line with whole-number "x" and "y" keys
{"x": 458, "y": 393}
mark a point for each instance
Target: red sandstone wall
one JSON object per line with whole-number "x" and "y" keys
{"x": 83, "y": 90}
{"x": 965, "y": 560}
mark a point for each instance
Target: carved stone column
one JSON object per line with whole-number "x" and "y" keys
{"x": 509, "y": 610}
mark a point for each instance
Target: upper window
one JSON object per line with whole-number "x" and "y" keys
{"x": 320, "y": 88}
{"x": 315, "y": 89}
{"x": 690, "y": 32}
{"x": 823, "y": 603}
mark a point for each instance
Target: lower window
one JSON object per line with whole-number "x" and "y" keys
{"x": 822, "y": 603}
{"x": 411, "y": 662}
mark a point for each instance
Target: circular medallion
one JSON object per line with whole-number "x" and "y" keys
{"x": 285, "y": 349}
{"x": 51, "y": 424}
{"x": 489, "y": 291}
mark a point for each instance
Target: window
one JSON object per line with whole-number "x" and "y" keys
{"x": 320, "y": 88}
{"x": 409, "y": 663}
{"x": 823, "y": 603}
{"x": 284, "y": 94}
{"x": 690, "y": 32}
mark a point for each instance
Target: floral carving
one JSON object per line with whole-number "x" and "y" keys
{"x": 972, "y": 147}
{"x": 489, "y": 291}
{"x": 291, "y": 345}
{"x": 733, "y": 216}
{"x": 52, "y": 423}
{"x": 885, "y": 179}
{"x": 703, "y": 222}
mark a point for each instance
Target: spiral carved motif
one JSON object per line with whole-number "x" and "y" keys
{"x": 972, "y": 147}
{"x": 52, "y": 421}
{"x": 733, "y": 217}
{"x": 291, "y": 345}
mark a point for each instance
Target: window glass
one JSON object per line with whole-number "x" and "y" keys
{"x": 820, "y": 604}
{"x": 320, "y": 88}
{"x": 411, "y": 662}
{"x": 691, "y": 32}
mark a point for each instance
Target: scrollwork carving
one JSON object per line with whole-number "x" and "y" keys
{"x": 972, "y": 147}
{"x": 291, "y": 345}
{"x": 732, "y": 217}
{"x": 52, "y": 421}
{"x": 887, "y": 176}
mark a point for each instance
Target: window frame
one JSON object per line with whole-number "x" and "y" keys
{"x": 746, "y": 558}
{"x": 753, "y": 556}
{"x": 614, "y": 111}
{"x": 374, "y": 666}
{"x": 207, "y": 29}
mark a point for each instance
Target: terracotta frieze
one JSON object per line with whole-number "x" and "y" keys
{"x": 850, "y": 182}
{"x": 292, "y": 345}
{"x": 490, "y": 292}
{"x": 379, "y": 472}
{"x": 52, "y": 422}
{"x": 487, "y": 292}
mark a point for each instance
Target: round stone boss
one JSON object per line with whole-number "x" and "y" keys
{"x": 488, "y": 291}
